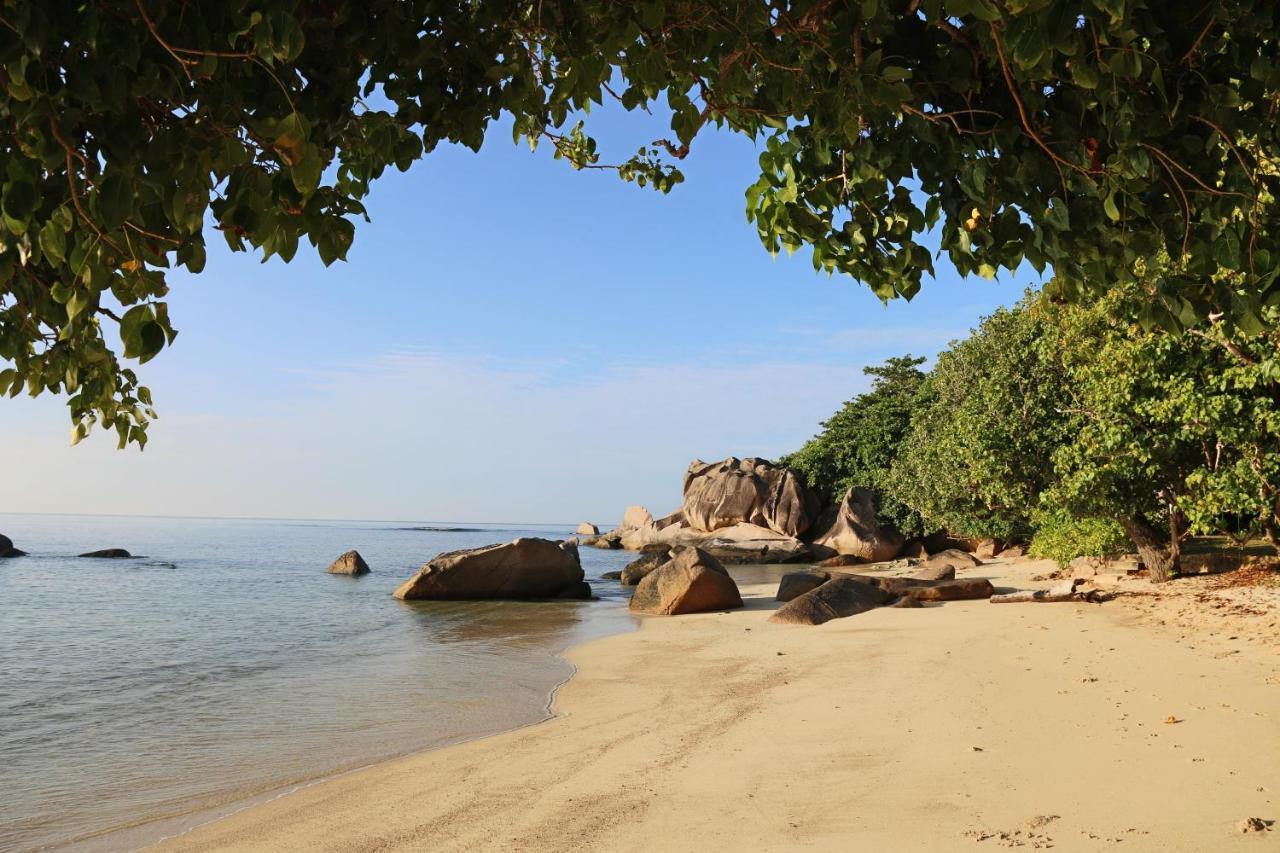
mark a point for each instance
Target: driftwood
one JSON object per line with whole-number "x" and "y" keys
{"x": 1065, "y": 591}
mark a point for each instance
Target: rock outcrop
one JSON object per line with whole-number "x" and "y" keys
{"x": 108, "y": 554}
{"x": 525, "y": 569}
{"x": 752, "y": 491}
{"x": 854, "y": 531}
{"x": 586, "y": 528}
{"x": 692, "y": 581}
{"x": 796, "y": 584}
{"x": 350, "y": 563}
{"x": 837, "y": 598}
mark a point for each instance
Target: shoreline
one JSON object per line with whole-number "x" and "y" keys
{"x": 939, "y": 728}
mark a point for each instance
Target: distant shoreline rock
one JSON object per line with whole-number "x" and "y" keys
{"x": 108, "y": 554}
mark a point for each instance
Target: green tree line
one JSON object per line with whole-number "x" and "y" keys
{"x": 1072, "y": 427}
{"x": 1077, "y": 135}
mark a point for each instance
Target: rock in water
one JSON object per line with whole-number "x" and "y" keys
{"x": 692, "y": 581}
{"x": 7, "y": 549}
{"x": 953, "y": 557}
{"x": 751, "y": 491}
{"x": 639, "y": 568}
{"x": 109, "y": 554}
{"x": 796, "y": 584}
{"x": 611, "y": 576}
{"x": 525, "y": 569}
{"x": 837, "y": 598}
{"x": 855, "y": 531}
{"x": 350, "y": 563}
{"x": 586, "y": 528}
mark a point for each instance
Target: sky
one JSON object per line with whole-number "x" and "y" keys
{"x": 509, "y": 340}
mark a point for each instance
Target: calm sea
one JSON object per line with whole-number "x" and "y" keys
{"x": 139, "y": 697}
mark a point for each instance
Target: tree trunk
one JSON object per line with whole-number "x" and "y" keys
{"x": 1271, "y": 526}
{"x": 1159, "y": 555}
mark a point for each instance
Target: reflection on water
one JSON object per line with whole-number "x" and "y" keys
{"x": 227, "y": 662}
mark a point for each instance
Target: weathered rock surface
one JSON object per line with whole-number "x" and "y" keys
{"x": 752, "y": 491}
{"x": 987, "y": 548}
{"x": 837, "y": 598}
{"x": 1012, "y": 551}
{"x": 611, "y": 576}
{"x": 953, "y": 557}
{"x": 940, "y": 572}
{"x": 109, "y": 554}
{"x": 738, "y": 551}
{"x": 610, "y": 541}
{"x": 965, "y": 589}
{"x": 350, "y": 563}
{"x": 528, "y": 568}
{"x": 586, "y": 528}
{"x": 692, "y": 581}
{"x": 638, "y": 568}
{"x": 855, "y": 530}
{"x": 796, "y": 584}
{"x": 905, "y": 601}
{"x": 636, "y": 518}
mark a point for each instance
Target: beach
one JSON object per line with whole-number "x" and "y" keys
{"x": 1150, "y": 722}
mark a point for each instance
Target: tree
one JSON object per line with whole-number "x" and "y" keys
{"x": 858, "y": 444}
{"x": 978, "y": 456}
{"x": 1176, "y": 434}
{"x": 1078, "y": 134}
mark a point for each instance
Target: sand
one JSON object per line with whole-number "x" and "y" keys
{"x": 1143, "y": 724}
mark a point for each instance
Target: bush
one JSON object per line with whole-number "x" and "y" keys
{"x": 1062, "y": 537}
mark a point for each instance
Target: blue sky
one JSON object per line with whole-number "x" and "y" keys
{"x": 509, "y": 340}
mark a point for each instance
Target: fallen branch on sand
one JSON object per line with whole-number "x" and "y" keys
{"x": 1065, "y": 591}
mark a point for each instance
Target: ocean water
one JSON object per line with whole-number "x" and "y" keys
{"x": 139, "y": 697}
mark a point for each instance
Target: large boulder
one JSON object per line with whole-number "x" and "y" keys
{"x": 752, "y": 491}
{"x": 692, "y": 581}
{"x": 108, "y": 554}
{"x": 586, "y": 528}
{"x": 638, "y": 568}
{"x": 938, "y": 572}
{"x": 637, "y": 518}
{"x": 837, "y": 598}
{"x": 350, "y": 563}
{"x": 525, "y": 569}
{"x": 854, "y": 530}
{"x": 986, "y": 548}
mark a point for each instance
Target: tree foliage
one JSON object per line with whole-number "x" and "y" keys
{"x": 976, "y": 460}
{"x": 858, "y": 444}
{"x": 1081, "y": 135}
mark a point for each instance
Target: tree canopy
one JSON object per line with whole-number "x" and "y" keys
{"x": 1082, "y": 135}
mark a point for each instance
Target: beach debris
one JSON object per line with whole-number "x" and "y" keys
{"x": 1171, "y": 720}
{"x": 691, "y": 581}
{"x": 351, "y": 564}
{"x": 1065, "y": 591}
{"x": 521, "y": 570}
{"x": 1254, "y": 824}
{"x": 108, "y": 554}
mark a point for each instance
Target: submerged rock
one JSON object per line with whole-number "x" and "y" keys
{"x": 528, "y": 568}
{"x": 109, "y": 554}
{"x": 350, "y": 563}
{"x": 692, "y": 581}
{"x": 837, "y": 598}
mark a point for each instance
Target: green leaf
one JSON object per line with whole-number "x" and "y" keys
{"x": 19, "y": 204}
{"x": 1109, "y": 206}
{"x": 114, "y": 201}
{"x": 53, "y": 242}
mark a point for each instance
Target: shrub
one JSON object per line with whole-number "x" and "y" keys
{"x": 1062, "y": 537}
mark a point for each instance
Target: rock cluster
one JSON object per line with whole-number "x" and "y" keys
{"x": 815, "y": 597}
{"x": 529, "y": 568}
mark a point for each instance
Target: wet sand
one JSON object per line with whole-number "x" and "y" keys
{"x": 1143, "y": 724}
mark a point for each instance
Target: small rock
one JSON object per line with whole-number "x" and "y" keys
{"x": 108, "y": 554}
{"x": 1254, "y": 824}
{"x": 350, "y": 563}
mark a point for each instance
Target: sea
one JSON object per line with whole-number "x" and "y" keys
{"x": 223, "y": 665}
